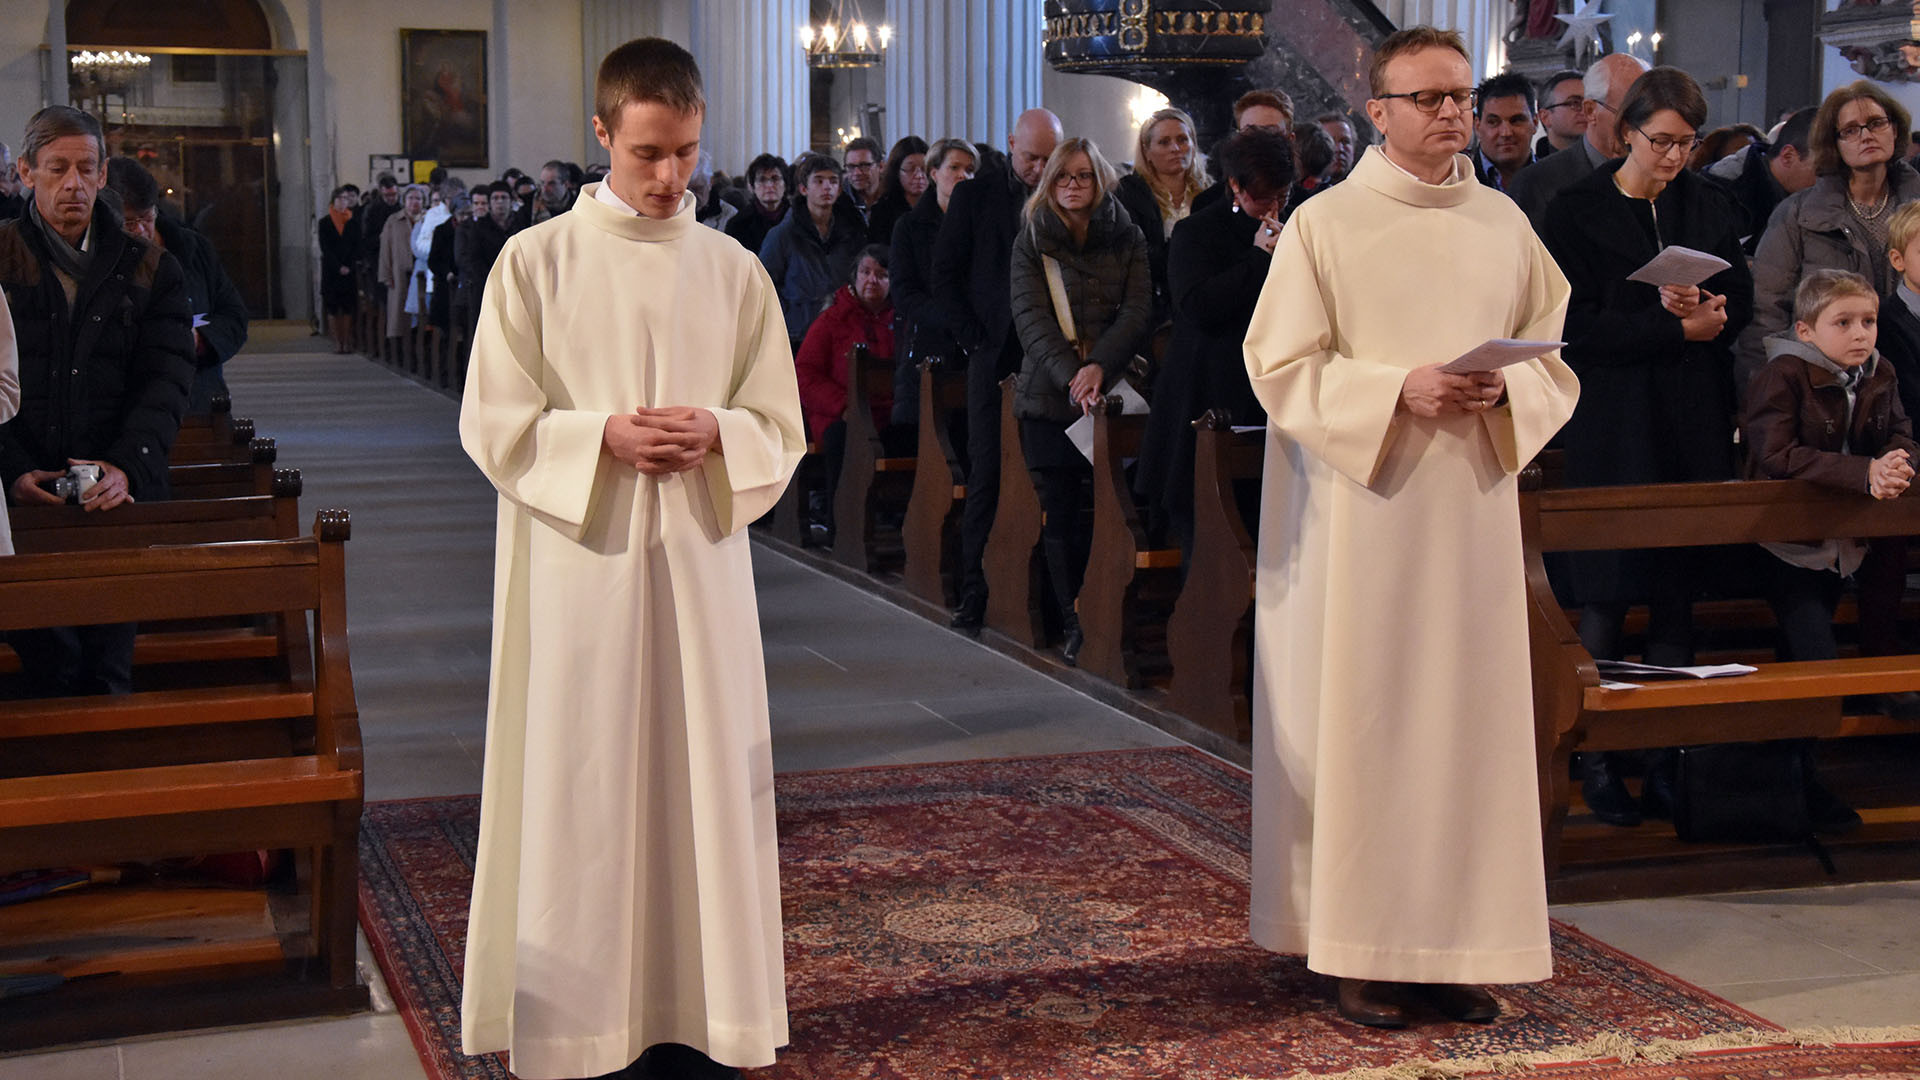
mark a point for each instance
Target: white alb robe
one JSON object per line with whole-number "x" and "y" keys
{"x": 1396, "y": 816}
{"x": 626, "y": 891}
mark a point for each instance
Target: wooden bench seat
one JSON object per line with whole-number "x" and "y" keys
{"x": 259, "y": 762}
{"x": 870, "y": 480}
{"x": 1210, "y": 634}
{"x": 1130, "y": 586}
{"x": 1780, "y": 701}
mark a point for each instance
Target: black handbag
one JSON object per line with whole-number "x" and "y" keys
{"x": 1744, "y": 793}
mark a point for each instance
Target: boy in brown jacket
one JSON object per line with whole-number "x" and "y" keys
{"x": 1826, "y": 408}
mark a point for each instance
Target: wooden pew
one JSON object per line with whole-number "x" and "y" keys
{"x": 213, "y": 426}
{"x": 1210, "y": 636}
{"x": 1783, "y": 700}
{"x": 1014, "y": 561}
{"x": 221, "y": 479}
{"x": 268, "y": 762}
{"x": 236, "y": 450}
{"x": 931, "y": 534}
{"x": 787, "y": 521}
{"x": 868, "y": 477}
{"x": 1130, "y": 586}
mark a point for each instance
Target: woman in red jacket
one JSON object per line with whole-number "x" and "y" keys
{"x": 859, "y": 314}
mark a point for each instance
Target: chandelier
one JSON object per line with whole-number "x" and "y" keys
{"x": 109, "y": 62}
{"x": 840, "y": 42}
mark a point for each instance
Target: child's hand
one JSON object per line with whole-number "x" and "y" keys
{"x": 1889, "y": 474}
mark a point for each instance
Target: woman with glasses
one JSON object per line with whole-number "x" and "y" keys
{"x": 1859, "y": 143}
{"x": 902, "y": 182}
{"x": 1076, "y": 243}
{"x": 1655, "y": 367}
{"x": 767, "y": 180}
{"x": 1169, "y": 172}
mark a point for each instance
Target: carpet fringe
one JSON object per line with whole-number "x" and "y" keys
{"x": 1613, "y": 1046}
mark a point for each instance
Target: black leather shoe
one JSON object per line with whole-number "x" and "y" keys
{"x": 1457, "y": 1001}
{"x": 1605, "y": 795}
{"x": 674, "y": 1061}
{"x": 1373, "y": 1004}
{"x": 971, "y": 615}
{"x": 1070, "y": 648}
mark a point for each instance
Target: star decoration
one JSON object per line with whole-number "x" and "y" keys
{"x": 1583, "y": 28}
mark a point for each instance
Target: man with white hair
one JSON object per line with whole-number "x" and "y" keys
{"x": 1607, "y": 82}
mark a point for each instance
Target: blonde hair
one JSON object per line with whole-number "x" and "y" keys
{"x": 1195, "y": 178}
{"x": 1903, "y": 226}
{"x": 1411, "y": 40}
{"x": 1821, "y": 288}
{"x": 1105, "y": 179}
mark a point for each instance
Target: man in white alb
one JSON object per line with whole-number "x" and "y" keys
{"x": 632, "y": 397}
{"x": 1396, "y": 814}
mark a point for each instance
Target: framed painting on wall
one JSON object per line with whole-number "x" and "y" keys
{"x": 443, "y": 96}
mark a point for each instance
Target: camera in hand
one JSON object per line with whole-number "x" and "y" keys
{"x": 74, "y": 485}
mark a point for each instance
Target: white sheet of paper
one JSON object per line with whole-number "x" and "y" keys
{"x": 1676, "y": 265}
{"x": 1247, "y": 429}
{"x": 1607, "y": 684}
{"x": 1080, "y": 432}
{"x": 1698, "y": 671}
{"x": 1498, "y": 353}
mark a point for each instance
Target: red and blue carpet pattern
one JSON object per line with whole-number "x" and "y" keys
{"x": 1076, "y": 917}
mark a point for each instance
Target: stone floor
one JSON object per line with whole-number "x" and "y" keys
{"x": 853, "y": 681}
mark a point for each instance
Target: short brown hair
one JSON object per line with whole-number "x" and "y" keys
{"x": 1820, "y": 288}
{"x": 58, "y": 122}
{"x": 1825, "y": 136}
{"x": 1411, "y": 40}
{"x": 1661, "y": 89}
{"x": 647, "y": 69}
{"x": 1272, "y": 99}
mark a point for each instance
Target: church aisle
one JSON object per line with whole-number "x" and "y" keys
{"x": 853, "y": 681}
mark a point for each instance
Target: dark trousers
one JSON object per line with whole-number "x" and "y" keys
{"x": 64, "y": 661}
{"x": 984, "y": 372}
{"x": 1803, "y": 601}
{"x": 1066, "y": 534}
{"x": 1879, "y": 584}
{"x": 1669, "y": 615}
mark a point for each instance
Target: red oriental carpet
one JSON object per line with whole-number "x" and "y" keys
{"x": 1070, "y": 917}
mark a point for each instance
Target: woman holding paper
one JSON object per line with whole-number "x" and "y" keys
{"x": 1655, "y": 362}
{"x": 1082, "y": 296}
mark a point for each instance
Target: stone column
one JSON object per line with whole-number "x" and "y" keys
{"x": 964, "y": 69}
{"x": 56, "y": 89}
{"x": 1483, "y": 23}
{"x": 756, "y": 78}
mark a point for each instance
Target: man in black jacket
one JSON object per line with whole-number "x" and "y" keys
{"x": 102, "y": 323}
{"x": 971, "y": 263}
{"x": 219, "y": 311}
{"x": 1761, "y": 176}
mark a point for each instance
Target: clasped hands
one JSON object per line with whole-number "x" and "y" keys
{"x": 660, "y": 442}
{"x": 109, "y": 491}
{"x": 1702, "y": 314}
{"x": 1084, "y": 390}
{"x": 1431, "y": 393}
{"x": 1889, "y": 474}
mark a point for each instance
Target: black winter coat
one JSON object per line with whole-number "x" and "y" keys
{"x": 970, "y": 258}
{"x": 1654, "y": 407}
{"x": 484, "y": 242}
{"x": 338, "y": 292}
{"x": 1108, "y": 290}
{"x": 1214, "y": 273}
{"x": 1900, "y": 348}
{"x": 210, "y": 292}
{"x": 922, "y": 315}
{"x": 751, "y": 227}
{"x": 108, "y": 380}
{"x": 1137, "y": 198}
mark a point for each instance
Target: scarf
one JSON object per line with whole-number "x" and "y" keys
{"x": 340, "y": 219}
{"x": 71, "y": 261}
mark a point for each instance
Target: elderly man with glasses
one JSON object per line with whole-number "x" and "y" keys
{"x": 1607, "y": 83}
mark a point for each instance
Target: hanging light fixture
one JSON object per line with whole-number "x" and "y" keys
{"x": 840, "y": 42}
{"x": 110, "y": 62}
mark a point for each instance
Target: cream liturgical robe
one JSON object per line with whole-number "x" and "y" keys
{"x": 626, "y": 890}
{"x": 1396, "y": 818}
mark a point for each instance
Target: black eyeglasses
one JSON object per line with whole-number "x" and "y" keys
{"x": 1853, "y": 131}
{"x": 1570, "y": 103}
{"x": 1665, "y": 144}
{"x": 1428, "y": 101}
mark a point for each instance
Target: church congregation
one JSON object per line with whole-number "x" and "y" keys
{"x": 1511, "y": 472}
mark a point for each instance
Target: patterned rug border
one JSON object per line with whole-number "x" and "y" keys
{"x": 1612, "y": 1049}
